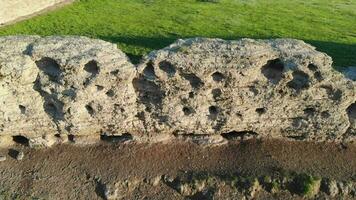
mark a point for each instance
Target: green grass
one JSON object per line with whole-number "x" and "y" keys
{"x": 139, "y": 26}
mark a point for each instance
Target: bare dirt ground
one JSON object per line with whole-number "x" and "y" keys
{"x": 157, "y": 171}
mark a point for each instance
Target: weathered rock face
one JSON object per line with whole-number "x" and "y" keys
{"x": 277, "y": 88}
{"x": 59, "y": 85}
{"x": 265, "y": 88}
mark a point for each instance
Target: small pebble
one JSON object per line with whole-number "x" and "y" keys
{"x": 2, "y": 158}
{"x": 20, "y": 155}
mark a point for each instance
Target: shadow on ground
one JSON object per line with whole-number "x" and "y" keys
{"x": 342, "y": 54}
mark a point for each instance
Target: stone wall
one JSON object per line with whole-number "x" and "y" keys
{"x": 199, "y": 88}
{"x": 12, "y": 10}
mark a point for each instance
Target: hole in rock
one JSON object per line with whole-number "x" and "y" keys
{"x": 325, "y": 114}
{"x": 194, "y": 81}
{"x": 52, "y": 110}
{"x": 213, "y": 110}
{"x": 217, "y": 76}
{"x": 191, "y": 94}
{"x": 116, "y": 138}
{"x": 187, "y": 110}
{"x": 149, "y": 92}
{"x": 99, "y": 87}
{"x": 49, "y": 66}
{"x": 71, "y": 138}
{"x": 19, "y": 139}
{"x": 351, "y": 111}
{"x": 92, "y": 67}
{"x": 318, "y": 76}
{"x": 90, "y": 109}
{"x": 261, "y": 111}
{"x": 115, "y": 72}
{"x": 309, "y": 111}
{"x": 216, "y": 93}
{"x": 312, "y": 67}
{"x": 296, "y": 137}
{"x": 232, "y": 135}
{"x": 22, "y": 109}
{"x": 253, "y": 90}
{"x": 167, "y": 67}
{"x": 110, "y": 93}
{"x": 336, "y": 95}
{"x": 300, "y": 81}
{"x": 273, "y": 70}
{"x": 149, "y": 71}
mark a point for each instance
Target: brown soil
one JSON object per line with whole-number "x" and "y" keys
{"x": 73, "y": 172}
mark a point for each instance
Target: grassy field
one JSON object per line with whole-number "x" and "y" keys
{"x": 139, "y": 26}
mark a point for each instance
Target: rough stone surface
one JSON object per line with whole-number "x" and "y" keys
{"x": 20, "y": 155}
{"x": 62, "y": 85}
{"x": 12, "y": 10}
{"x": 277, "y": 88}
{"x": 54, "y": 87}
{"x": 2, "y": 158}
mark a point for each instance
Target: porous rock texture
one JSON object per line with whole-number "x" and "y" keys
{"x": 271, "y": 88}
{"x": 76, "y": 86}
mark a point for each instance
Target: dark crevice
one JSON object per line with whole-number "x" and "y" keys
{"x": 309, "y": 111}
{"x": 216, "y": 93}
{"x": 149, "y": 71}
{"x": 189, "y": 135}
{"x": 351, "y": 111}
{"x": 273, "y": 70}
{"x": 233, "y": 135}
{"x": 116, "y": 138}
{"x": 22, "y": 109}
{"x": 299, "y": 82}
{"x": 90, "y": 109}
{"x": 71, "y": 138}
{"x": 99, "y": 87}
{"x": 213, "y": 112}
{"x": 218, "y": 77}
{"x": 312, "y": 67}
{"x": 167, "y": 67}
{"x": 337, "y": 95}
{"x": 334, "y": 94}
{"x": 261, "y": 111}
{"x": 92, "y": 67}
{"x": 194, "y": 81}
{"x": 52, "y": 105}
{"x": 50, "y": 67}
{"x": 318, "y": 76}
{"x": 110, "y": 93}
{"x": 187, "y": 110}
{"x": 296, "y": 137}
{"x": 149, "y": 93}
{"x": 19, "y": 139}
{"x": 325, "y": 114}
{"x": 100, "y": 189}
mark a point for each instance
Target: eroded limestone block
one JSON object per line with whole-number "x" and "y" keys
{"x": 21, "y": 107}
{"x": 80, "y": 90}
{"x": 269, "y": 88}
{"x": 65, "y": 85}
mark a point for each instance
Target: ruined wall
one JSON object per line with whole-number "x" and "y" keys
{"x": 55, "y": 87}
{"x": 11, "y": 10}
